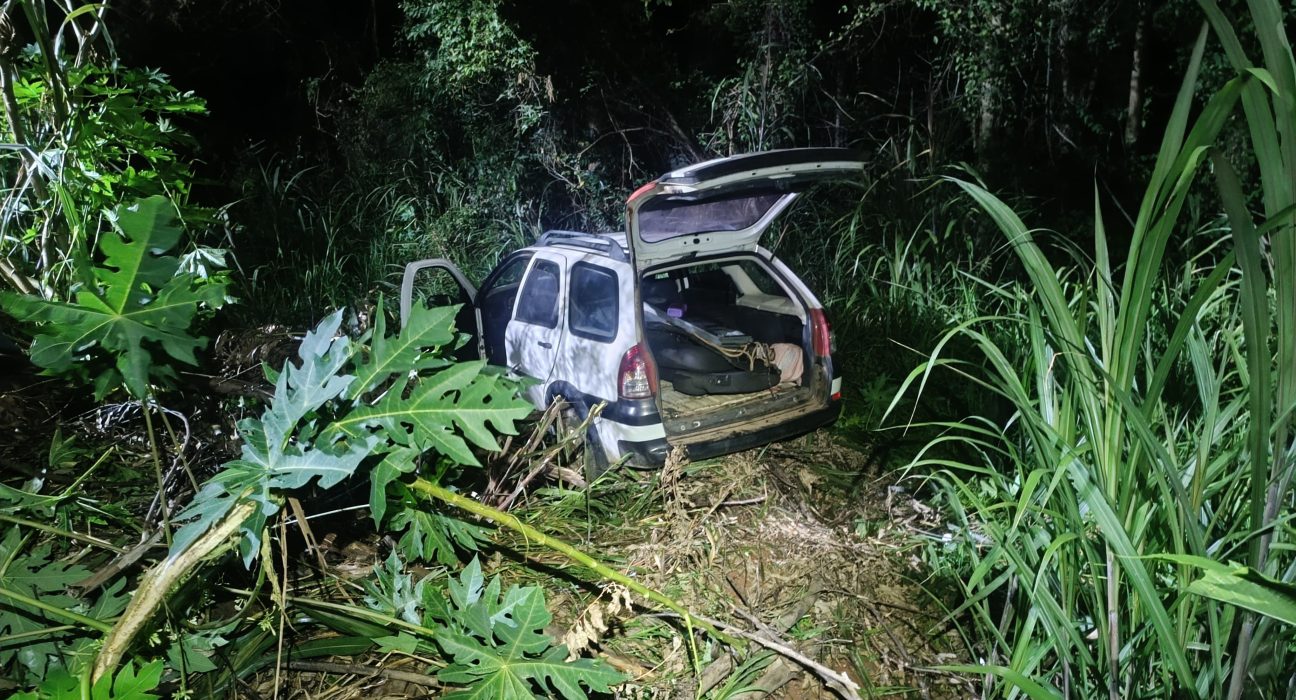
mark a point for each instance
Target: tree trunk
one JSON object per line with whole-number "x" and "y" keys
{"x": 1134, "y": 114}
{"x": 985, "y": 120}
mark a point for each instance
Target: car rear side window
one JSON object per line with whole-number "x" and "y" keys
{"x": 538, "y": 303}
{"x": 594, "y": 296}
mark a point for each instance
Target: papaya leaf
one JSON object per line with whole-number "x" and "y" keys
{"x": 500, "y": 650}
{"x": 393, "y": 591}
{"x": 134, "y": 304}
{"x": 466, "y": 591}
{"x": 59, "y": 685}
{"x": 431, "y": 536}
{"x": 35, "y": 574}
{"x": 413, "y": 400}
{"x": 129, "y": 684}
{"x": 192, "y": 650}
{"x": 441, "y": 410}
{"x": 278, "y": 452}
{"x": 397, "y": 461}
{"x": 412, "y": 350}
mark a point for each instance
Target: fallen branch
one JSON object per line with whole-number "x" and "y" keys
{"x": 69, "y": 534}
{"x": 158, "y": 583}
{"x": 120, "y": 564}
{"x": 724, "y": 665}
{"x": 839, "y": 683}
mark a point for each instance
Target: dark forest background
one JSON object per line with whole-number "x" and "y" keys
{"x": 1063, "y": 292}
{"x": 460, "y": 128}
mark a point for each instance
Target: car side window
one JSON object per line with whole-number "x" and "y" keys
{"x": 538, "y": 302}
{"x": 593, "y": 310}
{"x": 506, "y": 275}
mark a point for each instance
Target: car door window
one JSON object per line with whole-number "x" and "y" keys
{"x": 593, "y": 311}
{"x": 495, "y": 300}
{"x": 539, "y": 301}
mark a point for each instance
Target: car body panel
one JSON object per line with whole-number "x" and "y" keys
{"x": 533, "y": 345}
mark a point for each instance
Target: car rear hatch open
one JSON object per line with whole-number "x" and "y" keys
{"x": 725, "y": 205}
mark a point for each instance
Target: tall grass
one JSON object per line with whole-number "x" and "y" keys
{"x": 314, "y": 241}
{"x": 891, "y": 257}
{"x": 1092, "y": 512}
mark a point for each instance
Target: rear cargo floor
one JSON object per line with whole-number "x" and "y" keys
{"x": 674, "y": 404}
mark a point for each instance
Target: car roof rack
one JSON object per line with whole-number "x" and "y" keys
{"x": 598, "y": 242}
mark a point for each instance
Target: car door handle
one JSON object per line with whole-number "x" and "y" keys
{"x": 544, "y": 344}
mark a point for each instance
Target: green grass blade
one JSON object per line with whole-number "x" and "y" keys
{"x": 1033, "y": 689}
{"x": 1255, "y": 323}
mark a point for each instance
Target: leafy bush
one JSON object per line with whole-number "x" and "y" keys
{"x": 88, "y": 136}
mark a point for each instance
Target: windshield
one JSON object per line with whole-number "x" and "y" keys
{"x": 664, "y": 217}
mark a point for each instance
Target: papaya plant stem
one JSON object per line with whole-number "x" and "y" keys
{"x": 157, "y": 584}
{"x": 511, "y": 522}
{"x": 147, "y": 406}
{"x": 8, "y": 639}
{"x": 86, "y": 475}
{"x": 56, "y": 611}
{"x": 363, "y": 613}
{"x": 69, "y": 534}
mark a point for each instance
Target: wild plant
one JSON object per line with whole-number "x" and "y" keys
{"x": 1123, "y": 542}
{"x": 83, "y": 135}
{"x": 131, "y": 318}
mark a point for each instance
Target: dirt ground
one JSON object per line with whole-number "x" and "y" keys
{"x": 806, "y": 543}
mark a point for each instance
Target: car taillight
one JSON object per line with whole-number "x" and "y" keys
{"x": 821, "y": 334}
{"x": 637, "y": 378}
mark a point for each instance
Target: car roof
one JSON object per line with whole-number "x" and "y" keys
{"x": 611, "y": 245}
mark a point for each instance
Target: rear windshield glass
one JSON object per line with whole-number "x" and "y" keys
{"x": 663, "y": 218}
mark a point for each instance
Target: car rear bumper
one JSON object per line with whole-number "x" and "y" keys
{"x": 764, "y": 436}
{"x": 653, "y": 453}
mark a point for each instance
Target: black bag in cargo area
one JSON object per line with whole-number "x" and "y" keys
{"x": 696, "y": 370}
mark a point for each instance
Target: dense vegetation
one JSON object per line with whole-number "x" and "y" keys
{"x": 1101, "y": 410}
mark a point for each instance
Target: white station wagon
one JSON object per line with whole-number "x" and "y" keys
{"x": 690, "y": 332}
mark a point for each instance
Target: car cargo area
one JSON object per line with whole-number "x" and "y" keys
{"x": 729, "y": 343}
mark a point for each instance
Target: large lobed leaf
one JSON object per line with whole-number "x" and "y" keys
{"x": 133, "y": 304}
{"x": 35, "y": 574}
{"x": 431, "y": 536}
{"x": 414, "y": 349}
{"x": 440, "y": 411}
{"x": 500, "y": 650}
{"x": 277, "y": 454}
{"x": 293, "y": 444}
{"x": 128, "y": 684}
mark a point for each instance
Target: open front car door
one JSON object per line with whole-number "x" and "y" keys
{"x": 439, "y": 282}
